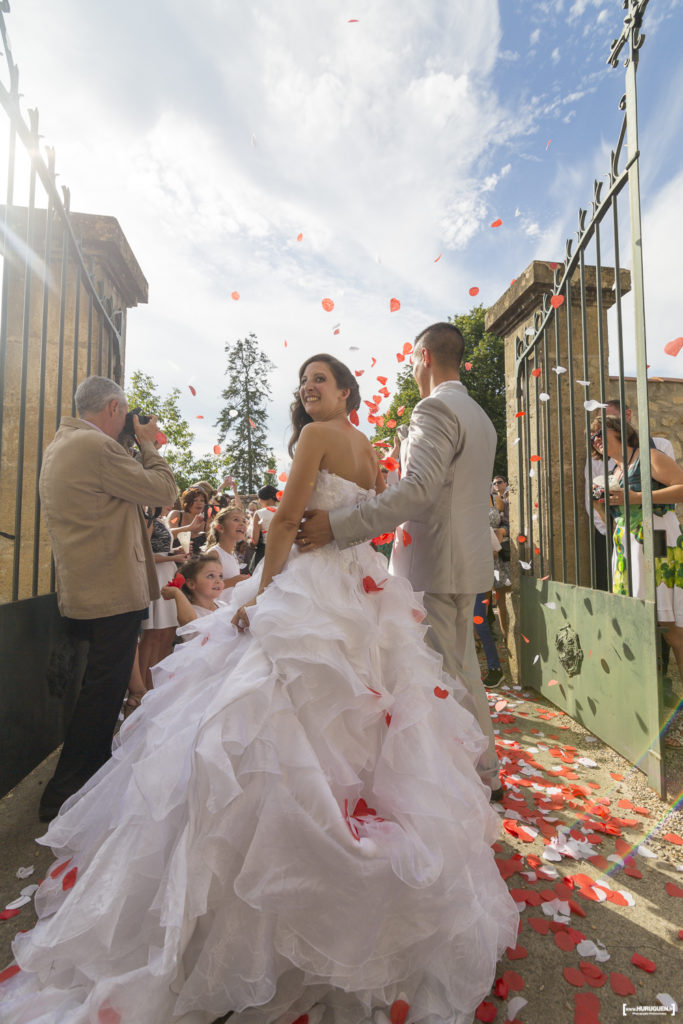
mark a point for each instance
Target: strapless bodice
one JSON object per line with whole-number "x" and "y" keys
{"x": 332, "y": 491}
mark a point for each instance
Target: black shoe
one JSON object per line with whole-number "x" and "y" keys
{"x": 497, "y": 795}
{"x": 47, "y": 814}
{"x": 493, "y": 678}
{"x": 670, "y": 699}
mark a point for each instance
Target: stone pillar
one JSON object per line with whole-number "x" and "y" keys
{"x": 509, "y": 318}
{"x": 73, "y": 344}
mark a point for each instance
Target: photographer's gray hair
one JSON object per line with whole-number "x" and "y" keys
{"x": 93, "y": 393}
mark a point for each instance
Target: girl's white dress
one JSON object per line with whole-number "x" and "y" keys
{"x": 291, "y": 824}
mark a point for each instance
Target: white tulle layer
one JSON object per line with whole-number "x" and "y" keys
{"x": 218, "y": 863}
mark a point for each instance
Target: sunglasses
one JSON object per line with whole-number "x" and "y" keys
{"x": 596, "y": 439}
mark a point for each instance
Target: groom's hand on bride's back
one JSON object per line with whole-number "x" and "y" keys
{"x": 314, "y": 530}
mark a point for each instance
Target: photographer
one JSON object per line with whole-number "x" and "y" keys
{"x": 91, "y": 492}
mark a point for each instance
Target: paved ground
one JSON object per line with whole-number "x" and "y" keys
{"x": 624, "y": 893}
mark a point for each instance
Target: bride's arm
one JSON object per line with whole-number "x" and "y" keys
{"x": 309, "y": 453}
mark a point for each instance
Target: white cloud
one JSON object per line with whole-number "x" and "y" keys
{"x": 534, "y": 37}
{"x": 555, "y": 55}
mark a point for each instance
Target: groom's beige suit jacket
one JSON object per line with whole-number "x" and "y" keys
{"x": 442, "y": 499}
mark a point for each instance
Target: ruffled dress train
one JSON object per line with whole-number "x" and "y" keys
{"x": 291, "y": 824}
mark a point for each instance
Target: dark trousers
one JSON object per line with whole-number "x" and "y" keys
{"x": 600, "y": 560}
{"x": 112, "y": 642}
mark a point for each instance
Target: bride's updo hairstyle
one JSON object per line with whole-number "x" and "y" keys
{"x": 343, "y": 378}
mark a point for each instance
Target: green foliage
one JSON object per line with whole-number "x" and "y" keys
{"x": 142, "y": 392}
{"x": 485, "y": 382}
{"x": 407, "y": 395}
{"x": 245, "y": 397}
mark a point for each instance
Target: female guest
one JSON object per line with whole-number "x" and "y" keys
{"x": 667, "y": 490}
{"x": 191, "y": 518}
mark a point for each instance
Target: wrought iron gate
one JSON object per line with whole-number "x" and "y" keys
{"x": 57, "y": 326}
{"x": 591, "y": 652}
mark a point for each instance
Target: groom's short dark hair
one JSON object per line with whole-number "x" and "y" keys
{"x": 445, "y": 342}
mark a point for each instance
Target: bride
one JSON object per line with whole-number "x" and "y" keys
{"x": 291, "y": 827}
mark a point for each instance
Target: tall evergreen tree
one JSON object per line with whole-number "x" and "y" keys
{"x": 243, "y": 420}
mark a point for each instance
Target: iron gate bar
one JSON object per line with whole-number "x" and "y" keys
{"x": 572, "y": 424}
{"x": 622, "y": 388}
{"x": 64, "y": 267}
{"x": 41, "y": 401}
{"x": 538, "y": 475}
{"x": 9, "y": 198}
{"x": 89, "y": 349}
{"x": 548, "y": 458}
{"x": 33, "y": 116}
{"x": 586, "y": 413}
{"x": 603, "y": 397}
{"x": 77, "y": 315}
{"x": 560, "y": 437}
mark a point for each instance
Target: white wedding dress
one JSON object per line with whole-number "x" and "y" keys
{"x": 291, "y": 824}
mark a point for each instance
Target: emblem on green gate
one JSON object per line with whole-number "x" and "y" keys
{"x": 568, "y": 647}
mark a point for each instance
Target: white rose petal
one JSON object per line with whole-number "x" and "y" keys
{"x": 25, "y": 872}
{"x": 559, "y": 369}
{"x": 591, "y": 405}
{"x": 516, "y": 1003}
{"x": 544, "y": 397}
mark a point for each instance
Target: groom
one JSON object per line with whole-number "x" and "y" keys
{"x": 442, "y": 500}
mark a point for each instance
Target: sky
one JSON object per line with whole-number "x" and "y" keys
{"x": 389, "y": 134}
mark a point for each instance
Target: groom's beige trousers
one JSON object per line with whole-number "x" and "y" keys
{"x": 451, "y": 634}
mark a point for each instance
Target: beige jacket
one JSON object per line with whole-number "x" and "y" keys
{"x": 442, "y": 499}
{"x": 91, "y": 492}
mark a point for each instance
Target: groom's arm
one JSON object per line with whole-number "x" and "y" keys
{"x": 434, "y": 441}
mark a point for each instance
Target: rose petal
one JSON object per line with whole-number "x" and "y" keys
{"x": 645, "y": 965}
{"x": 399, "y": 1011}
{"x": 394, "y": 305}
{"x": 235, "y": 296}
{"x": 556, "y": 301}
{"x": 486, "y": 1012}
{"x": 496, "y": 223}
{"x": 574, "y": 976}
{"x": 474, "y": 291}
{"x": 328, "y": 305}
{"x": 674, "y": 890}
{"x": 672, "y": 348}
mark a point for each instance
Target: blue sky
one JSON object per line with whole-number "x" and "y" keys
{"x": 217, "y": 133}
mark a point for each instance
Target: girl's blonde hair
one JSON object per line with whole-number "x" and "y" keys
{"x": 218, "y": 520}
{"x": 191, "y": 569}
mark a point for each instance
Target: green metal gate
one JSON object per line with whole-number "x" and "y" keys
{"x": 592, "y": 653}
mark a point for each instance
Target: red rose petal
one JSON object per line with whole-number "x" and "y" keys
{"x": 535, "y": 458}
{"x": 671, "y": 837}
{"x": 300, "y": 236}
{"x": 516, "y": 952}
{"x": 437, "y": 258}
{"x": 193, "y": 390}
{"x": 5, "y": 915}
{"x": 672, "y": 348}
{"x": 621, "y": 984}
{"x": 394, "y": 305}
{"x": 353, "y": 417}
{"x": 251, "y": 423}
{"x": 496, "y": 223}
{"x": 518, "y": 414}
{"x": 303, "y": 1019}
{"x": 556, "y": 301}
{"x": 486, "y": 1012}
{"x": 400, "y": 410}
{"x": 539, "y": 924}
{"x": 399, "y": 1011}
{"x": 513, "y": 980}
{"x": 468, "y": 366}
{"x": 369, "y": 585}
{"x": 616, "y": 776}
{"x": 521, "y": 538}
{"x": 632, "y": 871}
{"x": 216, "y": 449}
{"x": 440, "y": 693}
{"x": 60, "y": 868}
{"x": 536, "y": 372}
{"x": 500, "y": 989}
{"x": 69, "y": 879}
{"x": 574, "y": 976}
{"x": 563, "y": 940}
{"x": 474, "y": 291}
{"x": 328, "y": 305}
{"x": 645, "y": 965}
{"x": 9, "y": 972}
{"x": 235, "y": 296}
{"x": 407, "y": 539}
{"x": 477, "y": 620}
{"x": 673, "y": 889}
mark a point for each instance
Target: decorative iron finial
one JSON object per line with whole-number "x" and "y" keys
{"x": 630, "y": 34}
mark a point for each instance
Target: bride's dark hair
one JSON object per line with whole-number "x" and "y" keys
{"x": 343, "y": 378}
